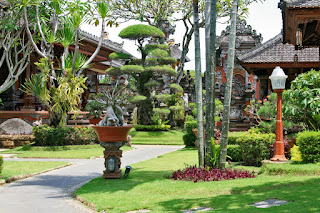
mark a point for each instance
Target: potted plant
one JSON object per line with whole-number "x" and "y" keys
{"x": 113, "y": 128}
{"x": 95, "y": 111}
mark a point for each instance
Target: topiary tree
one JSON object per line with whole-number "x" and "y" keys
{"x": 155, "y": 63}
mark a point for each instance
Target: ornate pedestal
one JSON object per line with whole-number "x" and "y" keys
{"x": 112, "y": 155}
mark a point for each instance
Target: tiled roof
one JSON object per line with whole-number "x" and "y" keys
{"x": 117, "y": 47}
{"x": 303, "y": 3}
{"x": 274, "y": 51}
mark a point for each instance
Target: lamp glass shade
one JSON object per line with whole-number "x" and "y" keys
{"x": 278, "y": 78}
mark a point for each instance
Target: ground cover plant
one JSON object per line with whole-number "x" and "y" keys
{"x": 75, "y": 151}
{"x": 197, "y": 174}
{"x": 172, "y": 137}
{"x": 147, "y": 188}
{"x": 19, "y": 168}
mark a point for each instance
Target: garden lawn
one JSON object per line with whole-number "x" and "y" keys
{"x": 172, "y": 137}
{"x": 146, "y": 188}
{"x": 74, "y": 151}
{"x": 17, "y": 168}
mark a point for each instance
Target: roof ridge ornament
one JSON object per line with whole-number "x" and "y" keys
{"x": 242, "y": 29}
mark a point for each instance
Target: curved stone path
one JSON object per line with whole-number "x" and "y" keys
{"x": 51, "y": 191}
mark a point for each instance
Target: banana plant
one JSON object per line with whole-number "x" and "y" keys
{"x": 214, "y": 159}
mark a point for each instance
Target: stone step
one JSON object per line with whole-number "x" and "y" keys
{"x": 83, "y": 125}
{"x": 78, "y": 121}
{"x": 243, "y": 125}
{"x": 238, "y": 129}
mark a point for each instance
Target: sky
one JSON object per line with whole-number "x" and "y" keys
{"x": 264, "y": 17}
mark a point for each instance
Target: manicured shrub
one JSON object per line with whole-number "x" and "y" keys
{"x": 255, "y": 147}
{"x": 56, "y": 136}
{"x": 233, "y": 136}
{"x": 189, "y": 138}
{"x": 309, "y": 146}
{"x": 295, "y": 154}
{"x": 1, "y": 163}
{"x": 196, "y": 174}
{"x": 161, "y": 127}
{"x": 235, "y": 153}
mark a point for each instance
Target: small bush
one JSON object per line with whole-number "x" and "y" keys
{"x": 209, "y": 174}
{"x": 270, "y": 126}
{"x": 309, "y": 146}
{"x": 1, "y": 163}
{"x": 56, "y": 136}
{"x": 233, "y": 136}
{"x": 295, "y": 154}
{"x": 190, "y": 138}
{"x": 235, "y": 153}
{"x": 255, "y": 147}
{"x": 161, "y": 127}
{"x": 189, "y": 118}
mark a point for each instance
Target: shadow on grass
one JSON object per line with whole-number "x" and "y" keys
{"x": 302, "y": 196}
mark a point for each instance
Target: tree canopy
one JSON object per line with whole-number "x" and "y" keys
{"x": 141, "y": 31}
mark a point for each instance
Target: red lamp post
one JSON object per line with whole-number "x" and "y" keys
{"x": 278, "y": 81}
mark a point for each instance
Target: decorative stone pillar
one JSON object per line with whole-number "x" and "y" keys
{"x": 112, "y": 155}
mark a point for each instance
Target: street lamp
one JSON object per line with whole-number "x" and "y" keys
{"x": 278, "y": 81}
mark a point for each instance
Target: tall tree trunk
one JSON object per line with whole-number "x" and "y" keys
{"x": 185, "y": 49}
{"x": 228, "y": 90}
{"x": 198, "y": 83}
{"x": 210, "y": 29}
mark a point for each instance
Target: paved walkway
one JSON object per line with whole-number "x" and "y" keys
{"x": 51, "y": 191}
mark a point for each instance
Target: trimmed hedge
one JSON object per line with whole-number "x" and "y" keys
{"x": 255, "y": 147}
{"x": 161, "y": 127}
{"x": 233, "y": 136}
{"x": 1, "y": 163}
{"x": 55, "y": 136}
{"x": 189, "y": 138}
{"x": 309, "y": 146}
{"x": 235, "y": 152}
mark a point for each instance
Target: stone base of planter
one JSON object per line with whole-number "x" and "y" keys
{"x": 11, "y": 141}
{"x": 112, "y": 162}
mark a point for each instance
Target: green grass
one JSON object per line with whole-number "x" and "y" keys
{"x": 75, "y": 151}
{"x": 172, "y": 137}
{"x": 291, "y": 169}
{"x": 146, "y": 188}
{"x": 17, "y": 168}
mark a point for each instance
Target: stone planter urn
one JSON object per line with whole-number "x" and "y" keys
{"x": 111, "y": 139}
{"x": 94, "y": 121}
